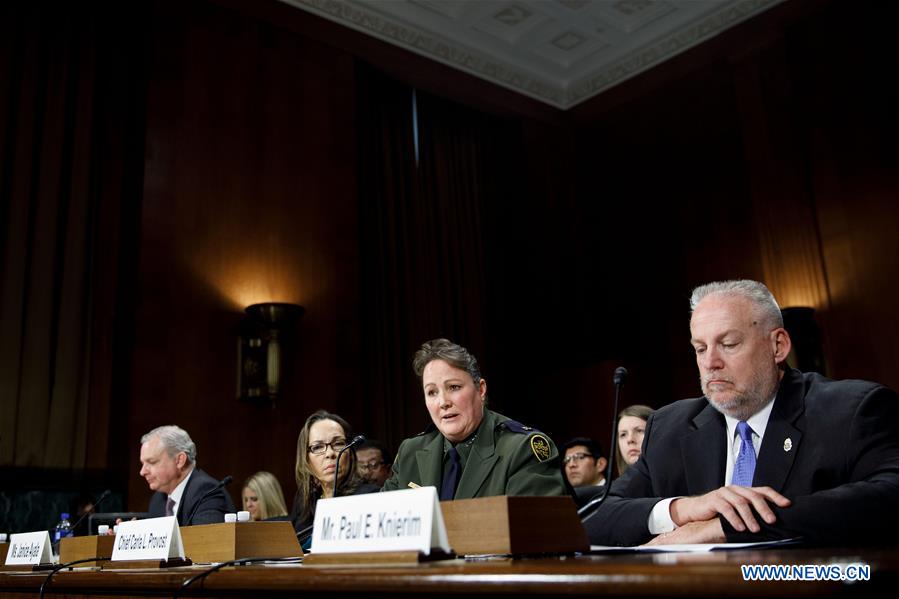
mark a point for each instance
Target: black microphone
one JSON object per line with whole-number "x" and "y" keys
{"x": 93, "y": 509}
{"x": 356, "y": 441}
{"x": 225, "y": 481}
{"x": 590, "y": 508}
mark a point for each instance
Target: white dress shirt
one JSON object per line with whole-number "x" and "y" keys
{"x": 178, "y": 492}
{"x": 660, "y": 517}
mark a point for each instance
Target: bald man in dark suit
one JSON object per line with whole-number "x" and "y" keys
{"x": 767, "y": 453}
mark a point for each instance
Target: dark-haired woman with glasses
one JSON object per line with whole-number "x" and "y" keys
{"x": 320, "y": 440}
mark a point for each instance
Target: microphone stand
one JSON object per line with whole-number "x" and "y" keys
{"x": 93, "y": 509}
{"x": 356, "y": 441}
{"x": 587, "y": 511}
{"x": 225, "y": 481}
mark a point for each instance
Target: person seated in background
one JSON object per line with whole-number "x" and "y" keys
{"x": 373, "y": 461}
{"x": 469, "y": 450}
{"x": 584, "y": 463}
{"x": 263, "y": 498}
{"x": 321, "y": 438}
{"x": 631, "y": 427}
{"x": 80, "y": 508}
{"x": 168, "y": 459}
{"x": 767, "y": 453}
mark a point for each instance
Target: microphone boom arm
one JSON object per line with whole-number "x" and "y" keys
{"x": 587, "y": 511}
{"x": 356, "y": 441}
{"x": 225, "y": 481}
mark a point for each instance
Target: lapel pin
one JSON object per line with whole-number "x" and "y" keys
{"x": 788, "y": 444}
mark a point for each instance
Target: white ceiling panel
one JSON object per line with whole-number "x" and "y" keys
{"x": 560, "y": 52}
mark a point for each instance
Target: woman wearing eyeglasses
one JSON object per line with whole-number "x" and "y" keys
{"x": 321, "y": 438}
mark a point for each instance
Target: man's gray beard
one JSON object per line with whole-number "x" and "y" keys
{"x": 741, "y": 407}
{"x": 746, "y": 405}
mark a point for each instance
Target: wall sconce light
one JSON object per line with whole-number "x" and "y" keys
{"x": 259, "y": 349}
{"x": 807, "y": 354}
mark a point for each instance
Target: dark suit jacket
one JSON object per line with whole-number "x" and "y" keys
{"x": 212, "y": 509}
{"x": 831, "y": 447}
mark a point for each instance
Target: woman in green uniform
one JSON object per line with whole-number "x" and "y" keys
{"x": 469, "y": 450}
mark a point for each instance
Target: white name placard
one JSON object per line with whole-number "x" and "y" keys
{"x": 405, "y": 520}
{"x": 154, "y": 538}
{"x": 29, "y": 548}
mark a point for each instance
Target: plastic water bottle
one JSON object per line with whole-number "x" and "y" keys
{"x": 63, "y": 529}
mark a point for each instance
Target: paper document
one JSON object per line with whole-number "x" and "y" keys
{"x": 691, "y": 548}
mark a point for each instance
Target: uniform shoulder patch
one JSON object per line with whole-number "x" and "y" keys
{"x": 516, "y": 427}
{"x": 541, "y": 447}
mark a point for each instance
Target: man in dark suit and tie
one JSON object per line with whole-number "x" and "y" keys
{"x": 168, "y": 460}
{"x": 767, "y": 453}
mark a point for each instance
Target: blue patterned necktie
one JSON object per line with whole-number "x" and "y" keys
{"x": 451, "y": 476}
{"x": 169, "y": 507}
{"x": 744, "y": 468}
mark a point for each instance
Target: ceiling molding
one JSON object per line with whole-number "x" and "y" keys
{"x": 560, "y": 52}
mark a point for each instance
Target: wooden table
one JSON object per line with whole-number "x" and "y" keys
{"x": 645, "y": 575}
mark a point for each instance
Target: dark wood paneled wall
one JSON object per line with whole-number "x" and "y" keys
{"x": 750, "y": 160}
{"x": 250, "y": 197}
{"x": 768, "y": 153}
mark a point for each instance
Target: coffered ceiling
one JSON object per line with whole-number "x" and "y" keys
{"x": 560, "y": 52}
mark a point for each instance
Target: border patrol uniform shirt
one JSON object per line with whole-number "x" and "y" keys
{"x": 502, "y": 457}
